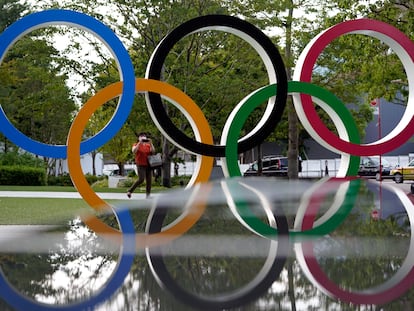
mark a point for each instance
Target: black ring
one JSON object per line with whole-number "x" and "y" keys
{"x": 247, "y": 294}
{"x": 154, "y": 69}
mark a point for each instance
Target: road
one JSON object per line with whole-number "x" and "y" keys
{"x": 405, "y": 186}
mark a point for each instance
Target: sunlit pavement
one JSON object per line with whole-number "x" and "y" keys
{"x": 69, "y": 195}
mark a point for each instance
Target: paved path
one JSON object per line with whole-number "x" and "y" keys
{"x": 70, "y": 195}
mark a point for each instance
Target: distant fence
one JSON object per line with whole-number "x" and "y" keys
{"x": 317, "y": 168}
{"x": 310, "y": 168}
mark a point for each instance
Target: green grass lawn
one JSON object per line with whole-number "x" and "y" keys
{"x": 58, "y": 188}
{"x": 39, "y": 211}
{"x": 73, "y": 189}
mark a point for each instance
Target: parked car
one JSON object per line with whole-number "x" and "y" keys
{"x": 271, "y": 166}
{"x": 370, "y": 167}
{"x": 399, "y": 174}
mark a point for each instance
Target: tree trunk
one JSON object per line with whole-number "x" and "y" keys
{"x": 293, "y": 148}
{"x": 166, "y": 164}
{"x": 259, "y": 160}
{"x": 93, "y": 154}
{"x": 121, "y": 168}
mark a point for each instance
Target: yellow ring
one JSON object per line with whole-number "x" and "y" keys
{"x": 74, "y": 164}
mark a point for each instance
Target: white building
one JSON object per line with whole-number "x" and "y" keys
{"x": 61, "y": 165}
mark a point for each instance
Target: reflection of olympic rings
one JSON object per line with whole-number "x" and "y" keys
{"x": 346, "y": 194}
{"x": 258, "y": 40}
{"x": 332, "y": 105}
{"x": 391, "y": 289}
{"x": 45, "y": 18}
{"x": 75, "y": 134}
{"x": 398, "y": 42}
{"x": 123, "y": 267}
{"x": 260, "y": 284}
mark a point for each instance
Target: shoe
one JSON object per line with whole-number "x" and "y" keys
{"x": 129, "y": 194}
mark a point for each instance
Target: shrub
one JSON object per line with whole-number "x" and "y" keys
{"x": 91, "y": 179}
{"x": 132, "y": 173}
{"x": 65, "y": 180}
{"x": 61, "y": 180}
{"x": 101, "y": 183}
{"x": 180, "y": 180}
{"x": 126, "y": 183}
{"x": 22, "y": 176}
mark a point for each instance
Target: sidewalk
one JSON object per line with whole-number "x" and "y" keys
{"x": 406, "y": 187}
{"x": 68, "y": 195}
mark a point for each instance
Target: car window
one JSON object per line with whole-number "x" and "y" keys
{"x": 375, "y": 162}
{"x": 385, "y": 162}
{"x": 364, "y": 161}
{"x": 265, "y": 163}
{"x": 269, "y": 163}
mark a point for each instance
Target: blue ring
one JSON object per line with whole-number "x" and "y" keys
{"x": 109, "y": 38}
{"x": 127, "y": 254}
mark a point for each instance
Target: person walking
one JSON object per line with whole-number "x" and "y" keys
{"x": 142, "y": 149}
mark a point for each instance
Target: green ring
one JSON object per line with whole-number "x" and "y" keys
{"x": 240, "y": 117}
{"x": 258, "y": 97}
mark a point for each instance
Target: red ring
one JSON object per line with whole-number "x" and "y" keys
{"x": 305, "y": 67}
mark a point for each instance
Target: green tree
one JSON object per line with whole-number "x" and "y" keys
{"x": 10, "y": 11}
{"x": 216, "y": 70}
{"x": 38, "y": 101}
{"x": 33, "y": 88}
{"x": 390, "y": 77}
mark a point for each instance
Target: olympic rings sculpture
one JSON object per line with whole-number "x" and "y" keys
{"x": 304, "y": 94}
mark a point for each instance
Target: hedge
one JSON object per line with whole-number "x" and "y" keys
{"x": 65, "y": 180}
{"x": 22, "y": 176}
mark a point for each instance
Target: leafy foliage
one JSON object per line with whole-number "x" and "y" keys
{"x": 20, "y": 159}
